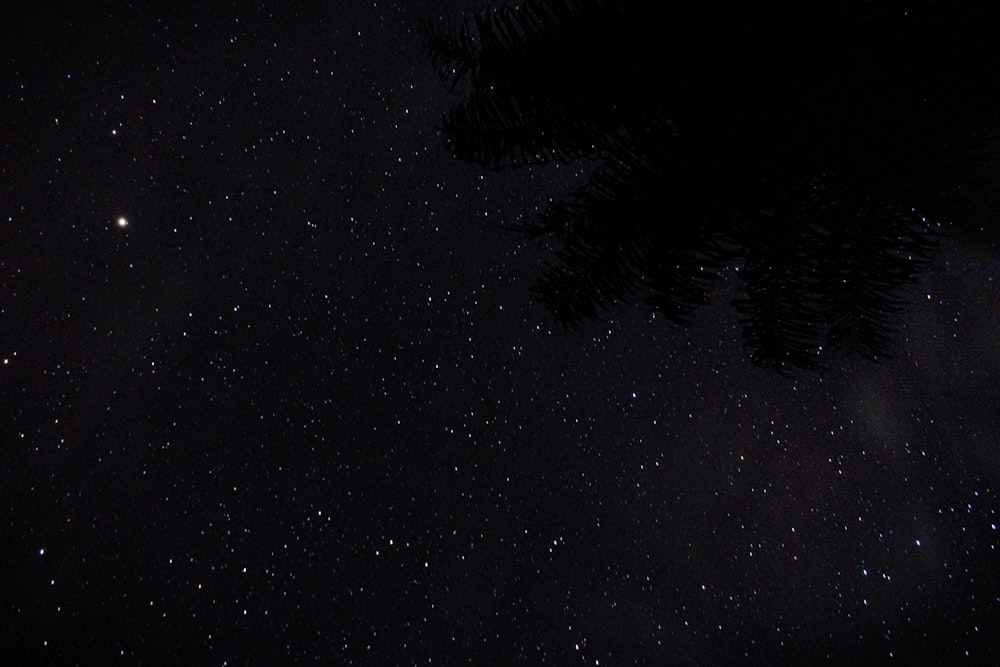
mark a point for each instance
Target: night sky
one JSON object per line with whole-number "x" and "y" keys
{"x": 274, "y": 391}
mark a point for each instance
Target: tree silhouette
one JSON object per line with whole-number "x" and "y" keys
{"x": 806, "y": 146}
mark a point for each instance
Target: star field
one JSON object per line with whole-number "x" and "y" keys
{"x": 274, "y": 391}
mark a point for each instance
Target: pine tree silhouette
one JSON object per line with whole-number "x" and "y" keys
{"x": 806, "y": 144}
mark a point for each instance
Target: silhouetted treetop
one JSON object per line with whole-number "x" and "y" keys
{"x": 806, "y": 144}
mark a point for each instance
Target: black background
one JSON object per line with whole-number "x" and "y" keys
{"x": 302, "y": 408}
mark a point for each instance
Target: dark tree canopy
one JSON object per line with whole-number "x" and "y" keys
{"x": 816, "y": 147}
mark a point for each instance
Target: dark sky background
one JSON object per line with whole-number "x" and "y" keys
{"x": 302, "y": 409}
